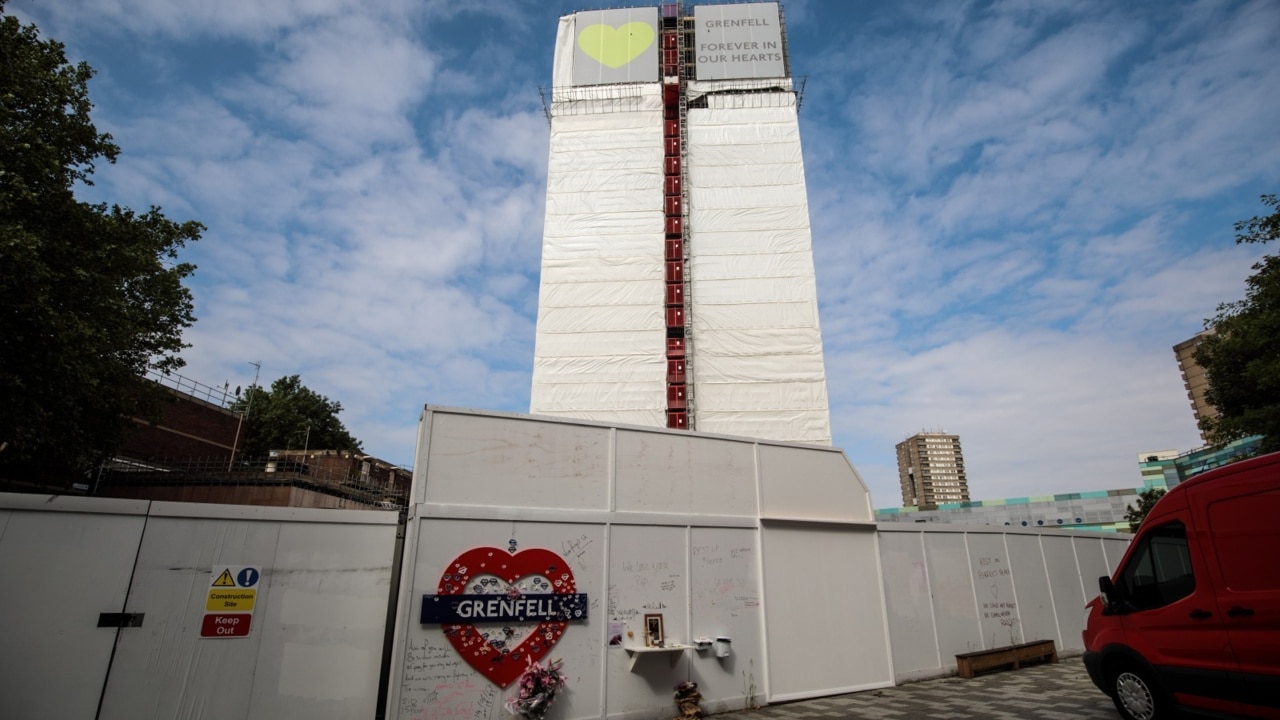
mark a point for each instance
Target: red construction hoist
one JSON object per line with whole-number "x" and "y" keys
{"x": 678, "y": 389}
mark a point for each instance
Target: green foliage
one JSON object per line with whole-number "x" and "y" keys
{"x": 291, "y": 416}
{"x": 1146, "y": 500}
{"x": 90, "y": 296}
{"x": 1242, "y": 357}
{"x": 47, "y": 141}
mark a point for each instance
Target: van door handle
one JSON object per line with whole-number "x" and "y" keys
{"x": 1238, "y": 611}
{"x": 1199, "y": 614}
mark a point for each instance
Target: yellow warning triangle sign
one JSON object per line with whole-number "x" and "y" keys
{"x": 225, "y": 579}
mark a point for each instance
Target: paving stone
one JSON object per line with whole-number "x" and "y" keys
{"x": 1052, "y": 692}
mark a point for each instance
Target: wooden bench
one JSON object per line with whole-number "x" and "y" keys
{"x": 1011, "y": 656}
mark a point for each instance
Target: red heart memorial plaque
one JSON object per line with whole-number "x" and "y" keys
{"x": 502, "y": 589}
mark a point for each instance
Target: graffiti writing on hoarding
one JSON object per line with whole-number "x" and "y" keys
{"x": 437, "y": 685}
{"x": 1000, "y": 612}
{"x": 998, "y": 609}
{"x": 575, "y": 548}
{"x": 426, "y": 664}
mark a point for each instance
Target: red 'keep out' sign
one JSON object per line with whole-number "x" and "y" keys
{"x": 226, "y": 625}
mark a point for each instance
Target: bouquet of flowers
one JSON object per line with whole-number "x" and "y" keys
{"x": 538, "y": 688}
{"x": 687, "y": 699}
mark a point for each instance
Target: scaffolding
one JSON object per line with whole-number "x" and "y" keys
{"x": 676, "y": 62}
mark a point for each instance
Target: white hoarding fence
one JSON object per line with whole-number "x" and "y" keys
{"x": 957, "y": 589}
{"x": 135, "y": 609}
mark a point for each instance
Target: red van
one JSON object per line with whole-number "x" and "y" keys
{"x": 1190, "y": 622}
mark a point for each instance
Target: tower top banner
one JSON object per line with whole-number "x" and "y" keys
{"x": 738, "y": 41}
{"x": 615, "y": 46}
{"x": 620, "y": 46}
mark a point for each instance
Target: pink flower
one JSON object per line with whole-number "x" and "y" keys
{"x": 538, "y": 688}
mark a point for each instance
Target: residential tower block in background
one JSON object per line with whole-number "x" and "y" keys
{"x": 931, "y": 470}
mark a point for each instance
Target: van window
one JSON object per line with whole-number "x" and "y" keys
{"x": 1159, "y": 571}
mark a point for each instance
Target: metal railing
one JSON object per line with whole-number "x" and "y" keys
{"x": 223, "y": 396}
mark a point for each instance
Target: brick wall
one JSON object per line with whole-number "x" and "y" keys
{"x": 188, "y": 428}
{"x": 341, "y": 464}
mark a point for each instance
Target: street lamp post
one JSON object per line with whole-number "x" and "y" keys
{"x": 257, "y": 368}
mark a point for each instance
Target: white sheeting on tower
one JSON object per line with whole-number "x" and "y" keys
{"x": 601, "y": 332}
{"x": 757, "y": 347}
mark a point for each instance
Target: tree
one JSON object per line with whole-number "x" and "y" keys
{"x": 1146, "y": 500}
{"x": 291, "y": 416}
{"x": 1242, "y": 357}
{"x": 91, "y": 296}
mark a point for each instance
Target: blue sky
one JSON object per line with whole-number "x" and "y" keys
{"x": 1018, "y": 207}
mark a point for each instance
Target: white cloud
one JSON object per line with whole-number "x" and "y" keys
{"x": 1007, "y": 255}
{"x": 346, "y": 84}
{"x": 1027, "y": 406}
{"x": 1017, "y": 206}
{"x": 257, "y": 22}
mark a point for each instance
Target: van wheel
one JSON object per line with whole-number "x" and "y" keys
{"x": 1136, "y": 696}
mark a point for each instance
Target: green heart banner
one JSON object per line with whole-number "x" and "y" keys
{"x": 615, "y": 47}
{"x": 611, "y": 46}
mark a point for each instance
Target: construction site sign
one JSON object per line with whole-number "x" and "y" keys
{"x": 229, "y": 601}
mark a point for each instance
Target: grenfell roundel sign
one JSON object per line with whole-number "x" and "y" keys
{"x": 502, "y": 610}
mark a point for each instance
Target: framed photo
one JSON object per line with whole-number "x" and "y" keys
{"x": 653, "y": 633}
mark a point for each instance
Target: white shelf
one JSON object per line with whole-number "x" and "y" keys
{"x": 671, "y": 649}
